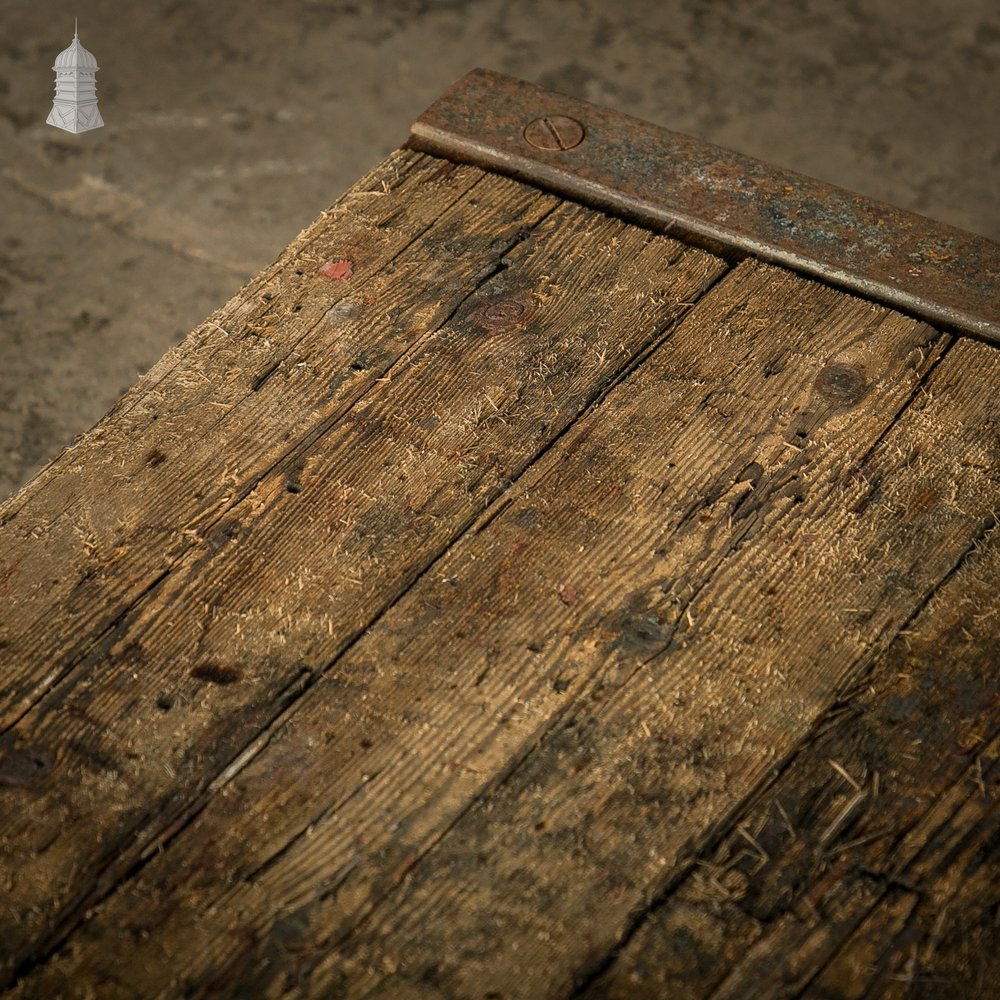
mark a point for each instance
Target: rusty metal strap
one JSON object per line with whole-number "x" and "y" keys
{"x": 717, "y": 198}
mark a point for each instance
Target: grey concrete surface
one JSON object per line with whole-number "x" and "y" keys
{"x": 231, "y": 125}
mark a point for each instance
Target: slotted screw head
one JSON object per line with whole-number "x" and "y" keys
{"x": 554, "y": 132}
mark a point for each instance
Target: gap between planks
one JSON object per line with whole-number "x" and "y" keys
{"x": 658, "y": 317}
{"x": 145, "y": 493}
{"x": 797, "y": 852}
{"x": 404, "y": 943}
{"x": 830, "y": 416}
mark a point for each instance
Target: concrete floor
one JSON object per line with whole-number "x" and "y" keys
{"x": 230, "y": 125}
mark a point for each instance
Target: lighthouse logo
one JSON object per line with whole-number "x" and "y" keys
{"x": 75, "y": 106}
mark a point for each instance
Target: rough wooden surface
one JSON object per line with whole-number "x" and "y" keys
{"x": 868, "y": 867}
{"x": 481, "y": 619}
{"x": 335, "y": 475}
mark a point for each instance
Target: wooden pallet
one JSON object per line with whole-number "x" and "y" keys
{"x": 497, "y": 599}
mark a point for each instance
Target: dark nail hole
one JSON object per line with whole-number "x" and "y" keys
{"x": 216, "y": 673}
{"x": 296, "y": 309}
{"x": 22, "y": 767}
{"x": 164, "y": 704}
{"x": 365, "y": 744}
{"x": 293, "y": 488}
{"x": 155, "y": 458}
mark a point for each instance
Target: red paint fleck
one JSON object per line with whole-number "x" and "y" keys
{"x": 6, "y": 574}
{"x": 337, "y": 270}
{"x": 567, "y": 593}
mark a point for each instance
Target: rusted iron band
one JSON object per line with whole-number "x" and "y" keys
{"x": 716, "y": 198}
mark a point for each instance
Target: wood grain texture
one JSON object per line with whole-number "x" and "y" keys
{"x": 659, "y": 747}
{"x": 209, "y": 421}
{"x": 866, "y": 868}
{"x": 473, "y": 349}
{"x": 520, "y": 752}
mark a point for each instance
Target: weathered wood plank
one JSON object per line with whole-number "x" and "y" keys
{"x": 621, "y": 586}
{"x": 934, "y": 931}
{"x": 512, "y": 343}
{"x": 865, "y": 869}
{"x": 207, "y": 422}
{"x": 663, "y": 745}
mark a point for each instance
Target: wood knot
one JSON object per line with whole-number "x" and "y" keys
{"x": 23, "y": 766}
{"x": 503, "y": 314}
{"x": 843, "y": 385}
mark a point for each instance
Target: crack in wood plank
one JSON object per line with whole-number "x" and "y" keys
{"x": 576, "y": 446}
{"x": 424, "y": 949}
{"x": 56, "y": 668}
{"x": 702, "y": 271}
{"x": 921, "y": 797}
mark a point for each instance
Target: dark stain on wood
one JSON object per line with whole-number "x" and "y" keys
{"x": 217, "y": 673}
{"x": 22, "y": 766}
{"x": 509, "y": 312}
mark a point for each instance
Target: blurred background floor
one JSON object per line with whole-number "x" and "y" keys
{"x": 231, "y": 125}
